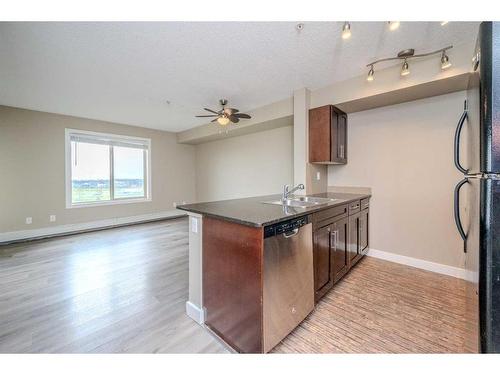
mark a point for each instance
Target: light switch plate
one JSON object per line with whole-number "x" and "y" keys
{"x": 52, "y": 218}
{"x": 318, "y": 176}
{"x": 29, "y": 220}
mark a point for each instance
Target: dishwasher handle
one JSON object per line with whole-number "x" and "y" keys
{"x": 291, "y": 233}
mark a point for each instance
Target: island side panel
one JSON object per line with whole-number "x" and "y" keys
{"x": 194, "y": 306}
{"x": 232, "y": 283}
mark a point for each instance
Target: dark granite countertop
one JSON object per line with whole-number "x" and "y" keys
{"x": 252, "y": 212}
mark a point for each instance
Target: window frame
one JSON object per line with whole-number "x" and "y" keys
{"x": 113, "y": 201}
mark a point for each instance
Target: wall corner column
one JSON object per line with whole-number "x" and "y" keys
{"x": 304, "y": 172}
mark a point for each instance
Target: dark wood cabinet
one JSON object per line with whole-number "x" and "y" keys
{"x": 327, "y": 135}
{"x": 340, "y": 240}
{"x": 232, "y": 283}
{"x": 339, "y": 148}
{"x": 363, "y": 230}
{"x": 339, "y": 248}
{"x": 323, "y": 259}
{"x": 358, "y": 232}
{"x": 330, "y": 250}
{"x": 354, "y": 248}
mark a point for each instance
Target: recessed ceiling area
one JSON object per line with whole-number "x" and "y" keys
{"x": 161, "y": 74}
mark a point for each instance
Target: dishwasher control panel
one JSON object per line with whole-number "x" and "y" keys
{"x": 285, "y": 226}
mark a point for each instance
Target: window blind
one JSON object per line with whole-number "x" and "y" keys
{"x": 138, "y": 143}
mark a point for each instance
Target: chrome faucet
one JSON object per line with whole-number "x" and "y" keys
{"x": 287, "y": 191}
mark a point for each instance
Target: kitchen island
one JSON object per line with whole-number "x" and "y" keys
{"x": 245, "y": 285}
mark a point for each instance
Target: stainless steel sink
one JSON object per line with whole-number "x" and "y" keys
{"x": 303, "y": 201}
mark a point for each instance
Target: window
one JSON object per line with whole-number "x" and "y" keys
{"x": 106, "y": 169}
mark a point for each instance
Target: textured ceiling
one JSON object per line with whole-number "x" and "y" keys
{"x": 125, "y": 72}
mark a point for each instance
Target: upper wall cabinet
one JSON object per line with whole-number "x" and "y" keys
{"x": 327, "y": 135}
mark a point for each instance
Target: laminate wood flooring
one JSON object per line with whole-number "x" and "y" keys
{"x": 385, "y": 307}
{"x": 110, "y": 291}
{"x": 124, "y": 290}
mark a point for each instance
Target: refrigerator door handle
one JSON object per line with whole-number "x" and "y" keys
{"x": 457, "y": 140}
{"x": 456, "y": 205}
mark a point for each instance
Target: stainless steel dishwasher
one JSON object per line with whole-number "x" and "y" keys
{"x": 288, "y": 278}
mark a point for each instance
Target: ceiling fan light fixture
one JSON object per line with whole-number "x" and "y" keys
{"x": 226, "y": 116}
{"x": 346, "y": 30}
{"x": 223, "y": 120}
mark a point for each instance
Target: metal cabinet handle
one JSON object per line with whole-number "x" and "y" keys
{"x": 291, "y": 233}
{"x": 456, "y": 206}
{"x": 356, "y": 206}
{"x": 456, "y": 155}
{"x": 335, "y": 235}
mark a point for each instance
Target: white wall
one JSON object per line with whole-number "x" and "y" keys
{"x": 249, "y": 165}
{"x": 32, "y": 168}
{"x": 405, "y": 154}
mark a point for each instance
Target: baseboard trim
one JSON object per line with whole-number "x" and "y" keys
{"x": 419, "y": 263}
{"x": 31, "y": 234}
{"x": 195, "y": 313}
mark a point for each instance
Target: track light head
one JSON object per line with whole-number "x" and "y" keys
{"x": 405, "y": 69}
{"x": 346, "y": 30}
{"x": 371, "y": 73}
{"x": 445, "y": 61}
{"x": 443, "y": 23}
{"x": 393, "y": 25}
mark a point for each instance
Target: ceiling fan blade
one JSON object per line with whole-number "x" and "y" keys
{"x": 209, "y": 110}
{"x": 230, "y": 111}
{"x": 234, "y": 119}
{"x": 206, "y": 116}
{"x": 242, "y": 115}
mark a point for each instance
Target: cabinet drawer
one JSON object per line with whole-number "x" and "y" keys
{"x": 365, "y": 203}
{"x": 354, "y": 207}
{"x": 329, "y": 213}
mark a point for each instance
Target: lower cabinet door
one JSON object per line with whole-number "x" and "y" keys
{"x": 354, "y": 249}
{"x": 340, "y": 248}
{"x": 363, "y": 230}
{"x": 323, "y": 273}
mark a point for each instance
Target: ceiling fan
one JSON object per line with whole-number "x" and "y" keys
{"x": 225, "y": 115}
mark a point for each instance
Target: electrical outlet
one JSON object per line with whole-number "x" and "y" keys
{"x": 52, "y": 218}
{"x": 318, "y": 176}
{"x": 183, "y": 202}
{"x": 174, "y": 204}
{"x": 29, "y": 220}
{"x": 194, "y": 225}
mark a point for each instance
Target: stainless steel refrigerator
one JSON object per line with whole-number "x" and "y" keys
{"x": 477, "y": 196}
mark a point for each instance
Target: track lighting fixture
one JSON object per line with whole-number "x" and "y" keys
{"x": 445, "y": 61}
{"x": 443, "y": 23}
{"x": 407, "y": 55}
{"x": 346, "y": 30}
{"x": 393, "y": 25}
{"x": 405, "y": 69}
{"x": 371, "y": 72}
